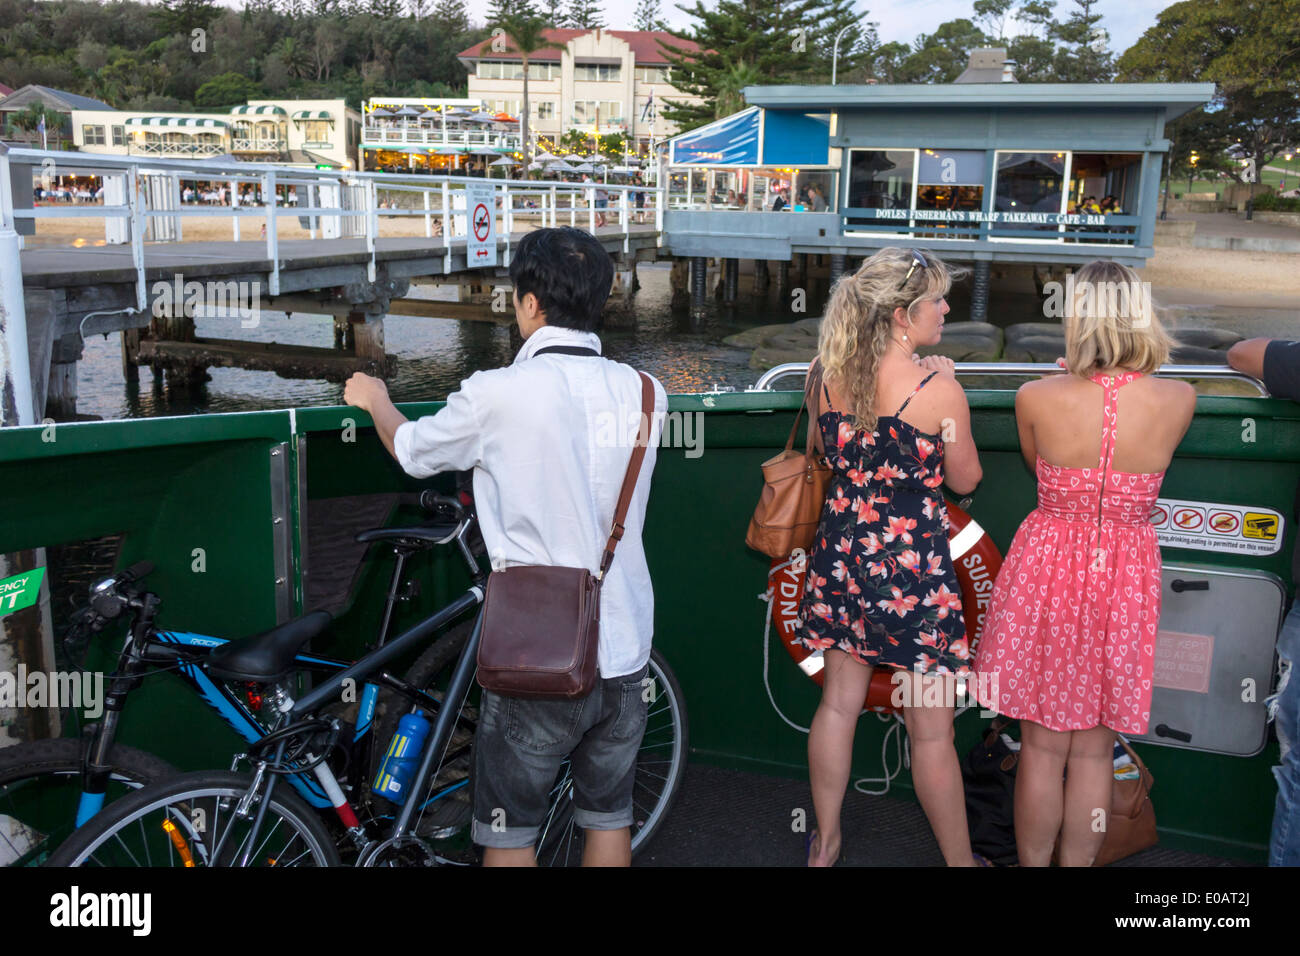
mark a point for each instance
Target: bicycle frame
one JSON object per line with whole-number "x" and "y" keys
{"x": 229, "y": 705}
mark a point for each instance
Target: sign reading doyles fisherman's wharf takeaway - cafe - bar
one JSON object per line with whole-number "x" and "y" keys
{"x": 977, "y": 215}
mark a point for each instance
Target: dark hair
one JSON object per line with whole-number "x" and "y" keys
{"x": 568, "y": 271}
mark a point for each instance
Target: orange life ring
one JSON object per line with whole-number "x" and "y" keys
{"x": 975, "y": 558}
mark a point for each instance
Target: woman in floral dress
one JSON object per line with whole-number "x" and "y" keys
{"x": 880, "y": 587}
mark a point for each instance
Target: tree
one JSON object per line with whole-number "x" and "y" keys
{"x": 184, "y": 16}
{"x": 991, "y": 16}
{"x": 583, "y": 15}
{"x": 777, "y": 39}
{"x": 451, "y": 17}
{"x": 526, "y": 33}
{"x": 228, "y": 89}
{"x": 1086, "y": 58}
{"x": 1250, "y": 49}
{"x": 940, "y": 57}
{"x": 499, "y": 10}
{"x": 29, "y": 120}
{"x": 647, "y": 16}
{"x": 327, "y": 41}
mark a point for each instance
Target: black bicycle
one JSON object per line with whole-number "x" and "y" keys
{"x": 328, "y": 815}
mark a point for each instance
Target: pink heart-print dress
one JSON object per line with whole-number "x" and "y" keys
{"x": 1070, "y": 636}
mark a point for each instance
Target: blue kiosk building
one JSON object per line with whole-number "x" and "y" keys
{"x": 981, "y": 172}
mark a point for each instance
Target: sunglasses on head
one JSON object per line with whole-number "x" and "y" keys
{"x": 917, "y": 260}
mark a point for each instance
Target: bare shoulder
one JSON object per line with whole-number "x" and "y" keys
{"x": 1173, "y": 392}
{"x": 945, "y": 391}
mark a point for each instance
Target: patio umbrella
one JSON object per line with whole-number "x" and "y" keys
{"x": 533, "y": 166}
{"x": 407, "y": 111}
{"x": 456, "y": 111}
{"x": 380, "y": 111}
{"x": 546, "y": 158}
{"x": 584, "y": 168}
{"x": 484, "y": 151}
{"x": 506, "y": 161}
{"x": 575, "y": 158}
{"x": 479, "y": 119}
{"x": 505, "y": 118}
{"x": 430, "y": 114}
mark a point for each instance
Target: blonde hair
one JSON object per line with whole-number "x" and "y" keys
{"x": 1111, "y": 322}
{"x": 855, "y": 331}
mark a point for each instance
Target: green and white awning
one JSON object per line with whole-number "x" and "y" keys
{"x": 258, "y": 111}
{"x": 314, "y": 115}
{"x": 176, "y": 122}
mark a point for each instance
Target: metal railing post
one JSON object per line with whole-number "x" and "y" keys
{"x": 15, "y": 363}
{"x": 428, "y": 220}
{"x": 372, "y": 225}
{"x": 313, "y": 200}
{"x": 506, "y": 221}
{"x": 623, "y": 214}
{"x": 555, "y": 199}
{"x": 234, "y": 204}
{"x": 446, "y": 226}
{"x": 660, "y": 198}
{"x": 136, "y": 202}
{"x": 590, "y": 194}
{"x": 272, "y": 246}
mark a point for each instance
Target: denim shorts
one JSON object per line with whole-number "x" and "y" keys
{"x": 520, "y": 745}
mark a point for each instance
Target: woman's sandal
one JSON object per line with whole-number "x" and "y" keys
{"x": 807, "y": 848}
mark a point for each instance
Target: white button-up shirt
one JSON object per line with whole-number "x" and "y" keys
{"x": 549, "y": 439}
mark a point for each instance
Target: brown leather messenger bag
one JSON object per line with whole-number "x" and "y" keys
{"x": 541, "y": 624}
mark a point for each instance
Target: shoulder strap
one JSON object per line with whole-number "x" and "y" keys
{"x": 567, "y": 350}
{"x": 633, "y": 470}
{"x": 913, "y": 395}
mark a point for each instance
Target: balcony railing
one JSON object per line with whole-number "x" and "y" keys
{"x": 241, "y": 145}
{"x": 415, "y": 136}
{"x": 175, "y": 149}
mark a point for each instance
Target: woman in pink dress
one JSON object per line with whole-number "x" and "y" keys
{"x": 1070, "y": 639}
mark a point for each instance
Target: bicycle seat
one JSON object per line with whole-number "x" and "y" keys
{"x": 417, "y": 537}
{"x": 267, "y": 656}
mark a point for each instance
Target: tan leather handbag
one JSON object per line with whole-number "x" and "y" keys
{"x": 541, "y": 624}
{"x": 1132, "y": 823}
{"x": 794, "y": 488}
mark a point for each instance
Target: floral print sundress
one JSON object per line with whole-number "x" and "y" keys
{"x": 880, "y": 583}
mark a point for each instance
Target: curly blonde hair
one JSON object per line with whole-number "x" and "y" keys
{"x": 855, "y": 331}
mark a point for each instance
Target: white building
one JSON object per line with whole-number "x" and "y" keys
{"x": 598, "y": 81}
{"x": 293, "y": 132}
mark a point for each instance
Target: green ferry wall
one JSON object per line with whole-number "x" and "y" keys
{"x": 172, "y": 486}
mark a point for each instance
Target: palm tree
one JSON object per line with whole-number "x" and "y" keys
{"x": 526, "y": 33}
{"x": 29, "y": 120}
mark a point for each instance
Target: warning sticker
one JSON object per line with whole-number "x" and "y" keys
{"x": 1205, "y": 526}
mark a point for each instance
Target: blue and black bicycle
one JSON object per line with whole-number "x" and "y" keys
{"x": 352, "y": 749}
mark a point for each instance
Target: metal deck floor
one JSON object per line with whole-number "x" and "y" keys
{"x": 735, "y": 818}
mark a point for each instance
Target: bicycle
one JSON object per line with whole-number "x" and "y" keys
{"x": 304, "y": 737}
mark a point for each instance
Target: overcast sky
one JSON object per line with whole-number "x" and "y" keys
{"x": 1125, "y": 19}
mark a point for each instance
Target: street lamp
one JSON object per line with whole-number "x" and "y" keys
{"x": 835, "y": 52}
{"x": 1193, "y": 159}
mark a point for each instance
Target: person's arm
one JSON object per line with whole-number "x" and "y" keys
{"x": 1248, "y": 356}
{"x": 961, "y": 460}
{"x": 1025, "y": 428}
{"x": 450, "y": 440}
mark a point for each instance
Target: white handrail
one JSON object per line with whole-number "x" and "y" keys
{"x": 365, "y": 187}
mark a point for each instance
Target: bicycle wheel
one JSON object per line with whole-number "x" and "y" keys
{"x": 190, "y": 820}
{"x": 40, "y": 791}
{"x": 659, "y": 766}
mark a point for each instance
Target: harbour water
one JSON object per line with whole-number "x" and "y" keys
{"x": 435, "y": 355}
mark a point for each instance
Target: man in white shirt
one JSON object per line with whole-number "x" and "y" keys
{"x": 549, "y": 438}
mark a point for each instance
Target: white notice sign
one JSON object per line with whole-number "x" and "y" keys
{"x": 481, "y": 223}
{"x": 1206, "y": 526}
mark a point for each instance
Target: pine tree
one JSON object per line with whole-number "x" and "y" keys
{"x": 583, "y": 15}
{"x": 647, "y": 16}
{"x": 499, "y": 10}
{"x": 745, "y": 42}
{"x": 1087, "y": 57}
{"x": 451, "y": 16}
{"x": 552, "y": 12}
